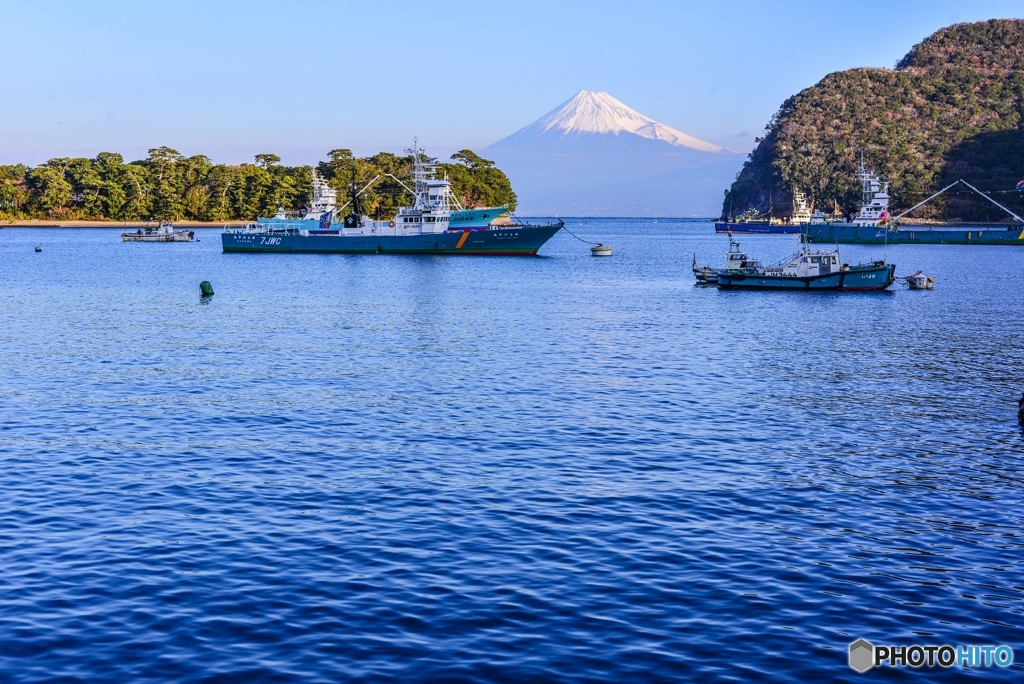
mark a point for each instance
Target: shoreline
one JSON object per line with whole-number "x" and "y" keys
{"x": 42, "y": 223}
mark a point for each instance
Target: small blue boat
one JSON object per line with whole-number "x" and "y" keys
{"x": 809, "y": 269}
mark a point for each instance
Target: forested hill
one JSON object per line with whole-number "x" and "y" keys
{"x": 952, "y": 108}
{"x": 169, "y": 186}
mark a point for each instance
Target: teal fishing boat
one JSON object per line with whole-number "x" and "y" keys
{"x": 425, "y": 227}
{"x": 977, "y": 234}
{"x": 809, "y": 269}
{"x": 872, "y": 224}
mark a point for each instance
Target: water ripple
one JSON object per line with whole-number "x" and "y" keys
{"x": 482, "y": 470}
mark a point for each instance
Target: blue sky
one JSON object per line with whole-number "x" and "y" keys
{"x": 232, "y": 79}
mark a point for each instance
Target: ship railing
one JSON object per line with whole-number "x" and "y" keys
{"x": 246, "y": 228}
{"x": 264, "y": 228}
{"x": 520, "y": 223}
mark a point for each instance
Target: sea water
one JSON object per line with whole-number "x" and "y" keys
{"x": 482, "y": 469}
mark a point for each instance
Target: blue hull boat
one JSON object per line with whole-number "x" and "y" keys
{"x": 423, "y": 228}
{"x": 517, "y": 240}
{"x": 758, "y": 228}
{"x": 985, "y": 234}
{"x": 808, "y": 269}
{"x": 876, "y": 276}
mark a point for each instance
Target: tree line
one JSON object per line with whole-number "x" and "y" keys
{"x": 168, "y": 186}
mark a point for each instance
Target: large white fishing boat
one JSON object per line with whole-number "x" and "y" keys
{"x": 424, "y": 227}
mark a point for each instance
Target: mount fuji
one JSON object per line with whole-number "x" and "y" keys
{"x": 594, "y": 156}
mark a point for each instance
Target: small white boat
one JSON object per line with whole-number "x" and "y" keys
{"x": 601, "y": 250}
{"x": 735, "y": 259}
{"x": 919, "y": 281}
{"x": 163, "y": 233}
{"x": 705, "y": 275}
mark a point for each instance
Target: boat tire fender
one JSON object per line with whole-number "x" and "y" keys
{"x": 392, "y": 224}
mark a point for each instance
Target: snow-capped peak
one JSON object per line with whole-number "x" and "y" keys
{"x": 596, "y": 112}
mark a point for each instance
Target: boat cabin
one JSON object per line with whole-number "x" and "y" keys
{"x": 429, "y": 213}
{"x": 801, "y": 209}
{"x": 874, "y": 202}
{"x": 736, "y": 260}
{"x": 808, "y": 262}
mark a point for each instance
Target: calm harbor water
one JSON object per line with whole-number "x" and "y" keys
{"x": 567, "y": 469}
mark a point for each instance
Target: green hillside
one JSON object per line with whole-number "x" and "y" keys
{"x": 169, "y": 186}
{"x": 952, "y": 108}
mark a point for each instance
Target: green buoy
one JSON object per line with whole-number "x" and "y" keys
{"x": 206, "y": 288}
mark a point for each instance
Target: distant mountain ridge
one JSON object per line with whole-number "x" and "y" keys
{"x": 952, "y": 108}
{"x": 595, "y": 156}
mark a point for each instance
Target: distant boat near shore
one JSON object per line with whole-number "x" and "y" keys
{"x": 162, "y": 233}
{"x": 752, "y": 222}
{"x": 872, "y": 224}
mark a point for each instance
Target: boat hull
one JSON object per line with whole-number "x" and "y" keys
{"x": 511, "y": 241}
{"x": 706, "y": 276}
{"x": 755, "y": 228}
{"x": 845, "y": 233}
{"x": 856, "y": 279}
{"x": 184, "y": 236}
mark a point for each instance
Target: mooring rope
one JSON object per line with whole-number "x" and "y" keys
{"x": 578, "y": 237}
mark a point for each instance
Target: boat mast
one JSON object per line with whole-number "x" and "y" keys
{"x": 354, "y": 217}
{"x": 866, "y": 194}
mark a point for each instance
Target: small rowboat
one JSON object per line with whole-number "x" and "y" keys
{"x": 705, "y": 275}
